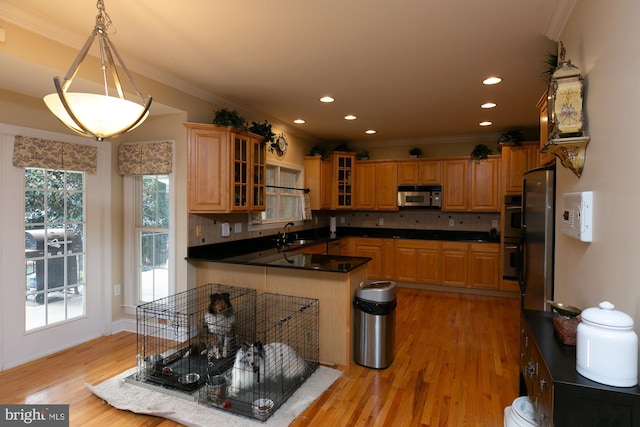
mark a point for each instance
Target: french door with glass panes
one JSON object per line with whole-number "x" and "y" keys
{"x": 54, "y": 258}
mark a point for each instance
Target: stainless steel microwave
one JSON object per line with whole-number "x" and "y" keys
{"x": 420, "y": 196}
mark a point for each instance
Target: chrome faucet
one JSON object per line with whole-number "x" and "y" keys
{"x": 284, "y": 231}
{"x": 281, "y": 240}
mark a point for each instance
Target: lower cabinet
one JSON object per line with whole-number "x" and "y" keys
{"x": 454, "y": 262}
{"x": 371, "y": 248}
{"x": 433, "y": 262}
{"x": 484, "y": 265}
{"x": 417, "y": 260}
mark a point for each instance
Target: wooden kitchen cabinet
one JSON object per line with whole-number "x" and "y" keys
{"x": 471, "y": 185}
{"x": 408, "y": 172}
{"x": 454, "y": 263}
{"x": 342, "y": 180}
{"x": 484, "y": 189}
{"x": 419, "y": 172}
{"x": 318, "y": 179}
{"x": 417, "y": 261}
{"x": 226, "y": 170}
{"x": 455, "y": 185}
{"x": 370, "y": 248}
{"x": 484, "y": 265}
{"x": 516, "y": 160}
{"x": 376, "y": 185}
{"x": 387, "y": 264}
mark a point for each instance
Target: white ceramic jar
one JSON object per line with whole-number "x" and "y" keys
{"x": 607, "y": 346}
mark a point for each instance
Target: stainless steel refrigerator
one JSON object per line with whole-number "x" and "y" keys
{"x": 537, "y": 238}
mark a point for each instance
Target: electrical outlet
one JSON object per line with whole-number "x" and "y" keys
{"x": 380, "y": 221}
{"x": 494, "y": 223}
{"x": 116, "y": 289}
{"x": 451, "y": 222}
{"x": 198, "y": 231}
{"x": 237, "y": 227}
{"x": 342, "y": 220}
{"x": 226, "y": 229}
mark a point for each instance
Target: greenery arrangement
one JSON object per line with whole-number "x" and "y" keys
{"x": 264, "y": 130}
{"x": 343, "y": 147}
{"x": 363, "y": 155}
{"x": 415, "y": 151}
{"x": 551, "y": 63}
{"x": 317, "y": 150}
{"x": 513, "y": 137}
{"x": 224, "y": 117}
{"x": 480, "y": 152}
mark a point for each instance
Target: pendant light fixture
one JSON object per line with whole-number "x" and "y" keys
{"x": 98, "y": 116}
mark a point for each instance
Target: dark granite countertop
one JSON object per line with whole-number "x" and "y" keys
{"x": 285, "y": 259}
{"x": 262, "y": 251}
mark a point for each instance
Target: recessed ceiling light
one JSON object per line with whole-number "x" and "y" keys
{"x": 492, "y": 80}
{"x": 299, "y": 121}
{"x": 349, "y": 117}
{"x": 487, "y": 123}
{"x": 488, "y": 105}
{"x": 370, "y": 131}
{"x": 326, "y": 99}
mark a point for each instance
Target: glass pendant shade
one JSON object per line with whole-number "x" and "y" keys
{"x": 95, "y": 115}
{"x": 104, "y": 116}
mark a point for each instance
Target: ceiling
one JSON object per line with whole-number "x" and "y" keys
{"x": 411, "y": 70}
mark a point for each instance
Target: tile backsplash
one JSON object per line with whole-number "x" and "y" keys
{"x": 207, "y": 229}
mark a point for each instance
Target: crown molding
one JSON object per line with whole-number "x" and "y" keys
{"x": 558, "y": 18}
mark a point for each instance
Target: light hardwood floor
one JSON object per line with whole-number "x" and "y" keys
{"x": 456, "y": 365}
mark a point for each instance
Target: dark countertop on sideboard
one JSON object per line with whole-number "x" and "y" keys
{"x": 561, "y": 358}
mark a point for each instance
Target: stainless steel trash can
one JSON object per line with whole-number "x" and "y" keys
{"x": 375, "y": 324}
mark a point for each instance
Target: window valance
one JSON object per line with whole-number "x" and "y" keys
{"x": 155, "y": 158}
{"x": 29, "y": 152}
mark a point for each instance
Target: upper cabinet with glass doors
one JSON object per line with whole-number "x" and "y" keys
{"x": 226, "y": 170}
{"x": 343, "y": 168}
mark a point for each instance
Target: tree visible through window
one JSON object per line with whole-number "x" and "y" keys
{"x": 152, "y": 231}
{"x": 54, "y": 224}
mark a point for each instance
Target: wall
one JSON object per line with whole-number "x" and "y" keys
{"x": 601, "y": 38}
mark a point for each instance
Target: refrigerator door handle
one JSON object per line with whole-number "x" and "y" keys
{"x": 521, "y": 256}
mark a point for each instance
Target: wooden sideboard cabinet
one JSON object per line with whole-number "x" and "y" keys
{"x": 561, "y": 396}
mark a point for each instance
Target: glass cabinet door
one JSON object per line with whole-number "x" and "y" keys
{"x": 240, "y": 172}
{"x": 344, "y": 179}
{"x": 258, "y": 166}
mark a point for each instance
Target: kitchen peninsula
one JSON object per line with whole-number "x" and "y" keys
{"x": 332, "y": 279}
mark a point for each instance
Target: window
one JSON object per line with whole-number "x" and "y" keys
{"x": 283, "y": 204}
{"x": 54, "y": 224}
{"x": 152, "y": 244}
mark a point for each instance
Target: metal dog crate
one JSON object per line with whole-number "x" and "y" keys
{"x": 172, "y": 345}
{"x": 280, "y": 320}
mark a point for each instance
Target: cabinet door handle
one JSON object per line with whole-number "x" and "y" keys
{"x": 531, "y": 370}
{"x": 543, "y": 383}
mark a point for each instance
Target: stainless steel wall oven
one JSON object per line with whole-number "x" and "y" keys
{"x": 512, "y": 223}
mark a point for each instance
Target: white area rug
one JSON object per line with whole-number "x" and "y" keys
{"x": 119, "y": 394}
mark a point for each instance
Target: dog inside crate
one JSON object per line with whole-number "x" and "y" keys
{"x": 183, "y": 338}
{"x": 282, "y": 355}
{"x": 230, "y": 347}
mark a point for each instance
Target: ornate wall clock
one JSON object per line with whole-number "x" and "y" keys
{"x": 279, "y": 146}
